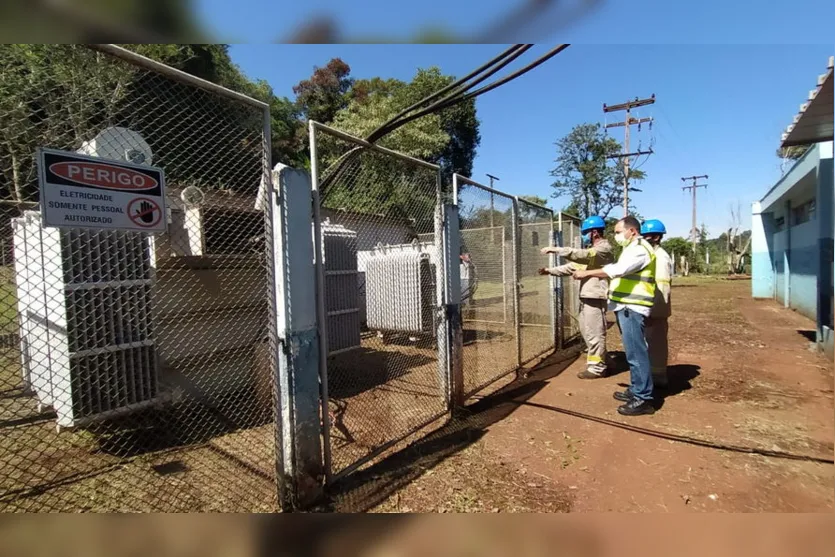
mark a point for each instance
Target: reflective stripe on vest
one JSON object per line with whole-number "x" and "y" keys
{"x": 637, "y": 288}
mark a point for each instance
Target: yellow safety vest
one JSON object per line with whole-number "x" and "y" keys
{"x": 637, "y": 288}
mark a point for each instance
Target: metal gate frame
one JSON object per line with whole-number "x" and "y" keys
{"x": 567, "y": 235}
{"x": 457, "y": 182}
{"x": 443, "y": 245}
{"x": 516, "y": 225}
{"x": 552, "y": 286}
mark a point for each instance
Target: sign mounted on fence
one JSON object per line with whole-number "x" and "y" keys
{"x": 78, "y": 191}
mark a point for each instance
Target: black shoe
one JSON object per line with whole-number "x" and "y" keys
{"x": 623, "y": 396}
{"x": 636, "y": 407}
{"x": 586, "y": 374}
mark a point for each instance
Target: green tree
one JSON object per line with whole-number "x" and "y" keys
{"x": 375, "y": 101}
{"x": 373, "y": 182}
{"x": 60, "y": 96}
{"x": 325, "y": 93}
{"x": 572, "y": 209}
{"x": 535, "y": 199}
{"x": 583, "y": 173}
{"x": 792, "y": 153}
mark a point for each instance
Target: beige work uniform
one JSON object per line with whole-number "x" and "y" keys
{"x": 594, "y": 294}
{"x": 656, "y": 327}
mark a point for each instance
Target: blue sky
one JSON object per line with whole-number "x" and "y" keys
{"x": 720, "y": 110}
{"x": 610, "y": 21}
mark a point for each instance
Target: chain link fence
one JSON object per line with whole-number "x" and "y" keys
{"x": 537, "y": 302}
{"x": 135, "y": 369}
{"x": 488, "y": 308}
{"x": 569, "y": 289}
{"x": 381, "y": 283}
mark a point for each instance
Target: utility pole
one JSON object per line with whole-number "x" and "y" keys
{"x": 492, "y": 232}
{"x": 627, "y": 123}
{"x": 693, "y": 187}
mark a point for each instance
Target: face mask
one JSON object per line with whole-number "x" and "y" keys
{"x": 622, "y": 240}
{"x": 586, "y": 238}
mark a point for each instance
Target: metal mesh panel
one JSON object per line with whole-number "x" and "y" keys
{"x": 488, "y": 306}
{"x": 570, "y": 288}
{"x": 391, "y": 382}
{"x": 151, "y": 353}
{"x": 536, "y": 296}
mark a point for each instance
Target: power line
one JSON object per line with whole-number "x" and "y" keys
{"x": 459, "y": 93}
{"x": 628, "y": 122}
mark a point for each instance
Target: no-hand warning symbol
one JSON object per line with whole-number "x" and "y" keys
{"x": 144, "y": 212}
{"x": 78, "y": 191}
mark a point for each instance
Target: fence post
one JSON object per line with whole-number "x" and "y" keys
{"x": 553, "y": 281}
{"x": 450, "y": 329}
{"x": 559, "y": 289}
{"x": 297, "y": 352}
{"x": 517, "y": 298}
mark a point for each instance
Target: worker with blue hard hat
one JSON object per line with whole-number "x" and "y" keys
{"x": 657, "y": 326}
{"x": 593, "y": 291}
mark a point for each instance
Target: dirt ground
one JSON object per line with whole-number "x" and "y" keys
{"x": 746, "y": 425}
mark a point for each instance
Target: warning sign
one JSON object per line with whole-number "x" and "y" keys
{"x": 78, "y": 191}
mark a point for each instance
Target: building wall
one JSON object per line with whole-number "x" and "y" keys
{"x": 778, "y": 254}
{"x": 793, "y": 261}
{"x": 803, "y": 267}
{"x": 762, "y": 263}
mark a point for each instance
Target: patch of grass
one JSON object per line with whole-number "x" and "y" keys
{"x": 8, "y": 303}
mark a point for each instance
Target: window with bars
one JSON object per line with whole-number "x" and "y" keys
{"x": 803, "y": 213}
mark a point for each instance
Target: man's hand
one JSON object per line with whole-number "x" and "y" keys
{"x": 543, "y": 272}
{"x": 578, "y": 275}
{"x": 555, "y": 250}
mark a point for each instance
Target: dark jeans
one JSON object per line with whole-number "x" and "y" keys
{"x": 637, "y": 354}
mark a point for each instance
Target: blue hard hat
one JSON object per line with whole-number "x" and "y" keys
{"x": 653, "y": 226}
{"x": 592, "y": 223}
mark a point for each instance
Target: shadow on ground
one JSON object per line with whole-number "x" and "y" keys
{"x": 369, "y": 487}
{"x": 679, "y": 379}
{"x": 809, "y": 335}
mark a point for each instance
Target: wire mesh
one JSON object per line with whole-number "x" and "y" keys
{"x": 488, "y": 311}
{"x": 385, "y": 379}
{"x": 134, "y": 369}
{"x": 570, "y": 288}
{"x": 537, "y": 301}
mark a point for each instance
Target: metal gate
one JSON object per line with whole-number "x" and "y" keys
{"x": 489, "y": 309}
{"x": 136, "y": 369}
{"x": 537, "y": 300}
{"x": 568, "y": 288}
{"x": 380, "y": 267}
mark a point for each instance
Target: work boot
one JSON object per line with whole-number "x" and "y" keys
{"x": 623, "y": 396}
{"x": 636, "y": 407}
{"x": 587, "y": 374}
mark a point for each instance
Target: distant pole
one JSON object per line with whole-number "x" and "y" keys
{"x": 627, "y": 123}
{"x": 694, "y": 231}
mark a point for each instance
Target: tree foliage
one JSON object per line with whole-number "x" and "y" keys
{"x": 584, "y": 174}
{"x": 326, "y": 92}
{"x": 792, "y": 153}
{"x": 61, "y": 96}
{"x": 373, "y": 181}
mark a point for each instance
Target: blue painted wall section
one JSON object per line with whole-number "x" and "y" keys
{"x": 826, "y": 261}
{"x": 792, "y": 261}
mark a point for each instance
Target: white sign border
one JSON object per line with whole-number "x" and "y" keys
{"x": 41, "y": 163}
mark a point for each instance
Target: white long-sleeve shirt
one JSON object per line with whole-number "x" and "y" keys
{"x": 632, "y": 259}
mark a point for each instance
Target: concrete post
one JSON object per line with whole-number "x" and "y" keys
{"x": 297, "y": 355}
{"x": 450, "y": 333}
